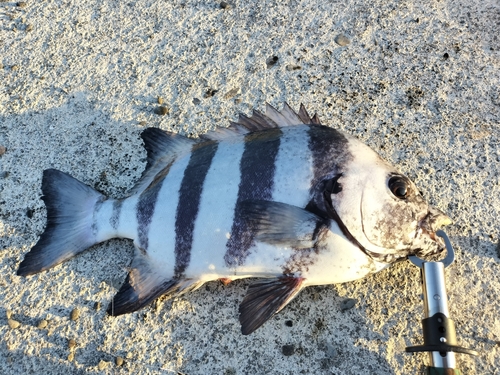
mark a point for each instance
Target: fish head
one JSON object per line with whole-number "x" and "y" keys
{"x": 384, "y": 212}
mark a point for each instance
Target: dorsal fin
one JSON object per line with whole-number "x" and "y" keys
{"x": 264, "y": 121}
{"x": 259, "y": 121}
{"x": 291, "y": 115}
{"x": 315, "y": 119}
{"x": 304, "y": 116}
{"x": 162, "y": 149}
{"x": 221, "y": 133}
{"x": 248, "y": 122}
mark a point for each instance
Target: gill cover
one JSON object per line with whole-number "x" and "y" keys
{"x": 383, "y": 210}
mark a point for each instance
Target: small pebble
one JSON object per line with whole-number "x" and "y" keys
{"x": 2, "y": 150}
{"x": 29, "y": 28}
{"x": 287, "y": 350}
{"x": 225, "y": 5}
{"x": 75, "y": 314}
{"x": 71, "y": 356}
{"x": 22, "y": 4}
{"x": 142, "y": 123}
{"x": 210, "y": 93}
{"x": 29, "y": 213}
{"x": 97, "y": 306}
{"x": 1, "y": 66}
{"x": 342, "y": 40}
{"x": 119, "y": 361}
{"x": 42, "y": 324}
{"x": 13, "y": 324}
{"x": 15, "y": 68}
{"x": 293, "y": 67}
{"x": 348, "y": 304}
{"x": 8, "y": 313}
{"x": 161, "y": 110}
{"x": 102, "y": 365}
{"x": 231, "y": 93}
{"x": 160, "y": 100}
{"x": 130, "y": 355}
{"x": 196, "y": 101}
{"x": 71, "y": 343}
{"x": 289, "y": 323}
{"x": 446, "y": 56}
{"x": 271, "y": 61}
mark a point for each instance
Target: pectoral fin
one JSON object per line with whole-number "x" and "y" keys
{"x": 283, "y": 224}
{"x": 265, "y": 298}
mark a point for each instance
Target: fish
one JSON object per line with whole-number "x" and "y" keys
{"x": 276, "y": 196}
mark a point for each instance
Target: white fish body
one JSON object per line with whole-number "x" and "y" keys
{"x": 279, "y": 197}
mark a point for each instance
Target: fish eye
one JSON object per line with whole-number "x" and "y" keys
{"x": 398, "y": 186}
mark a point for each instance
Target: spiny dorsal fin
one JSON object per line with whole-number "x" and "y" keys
{"x": 315, "y": 119}
{"x": 304, "y": 116}
{"x": 162, "y": 149}
{"x": 275, "y": 115}
{"x": 290, "y": 115}
{"x": 259, "y": 121}
{"x": 264, "y": 121}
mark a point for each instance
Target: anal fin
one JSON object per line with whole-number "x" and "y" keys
{"x": 265, "y": 298}
{"x": 144, "y": 284}
{"x": 131, "y": 297}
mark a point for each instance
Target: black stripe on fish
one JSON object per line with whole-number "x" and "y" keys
{"x": 145, "y": 210}
{"x": 114, "y": 220}
{"x": 189, "y": 202}
{"x": 330, "y": 151}
{"x": 257, "y": 167}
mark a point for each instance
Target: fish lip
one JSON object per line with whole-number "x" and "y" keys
{"x": 427, "y": 228}
{"x": 433, "y": 236}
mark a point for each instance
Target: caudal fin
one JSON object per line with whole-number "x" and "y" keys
{"x": 69, "y": 231}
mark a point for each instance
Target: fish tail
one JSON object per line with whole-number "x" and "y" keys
{"x": 71, "y": 223}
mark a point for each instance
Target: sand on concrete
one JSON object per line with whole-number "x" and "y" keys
{"x": 79, "y": 80}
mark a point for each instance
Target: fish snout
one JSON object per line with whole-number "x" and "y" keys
{"x": 432, "y": 222}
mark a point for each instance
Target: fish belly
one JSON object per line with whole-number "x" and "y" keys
{"x": 338, "y": 261}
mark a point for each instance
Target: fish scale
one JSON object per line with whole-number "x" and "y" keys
{"x": 276, "y": 196}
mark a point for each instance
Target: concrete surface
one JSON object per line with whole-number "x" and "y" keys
{"x": 417, "y": 80}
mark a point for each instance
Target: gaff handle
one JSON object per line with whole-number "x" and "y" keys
{"x": 440, "y": 338}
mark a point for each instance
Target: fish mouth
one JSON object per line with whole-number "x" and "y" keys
{"x": 429, "y": 243}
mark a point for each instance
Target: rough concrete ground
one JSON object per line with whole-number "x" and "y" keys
{"x": 418, "y": 81}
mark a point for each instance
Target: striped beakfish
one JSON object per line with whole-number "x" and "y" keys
{"x": 276, "y": 196}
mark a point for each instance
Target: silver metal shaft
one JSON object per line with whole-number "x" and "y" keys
{"x": 436, "y": 301}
